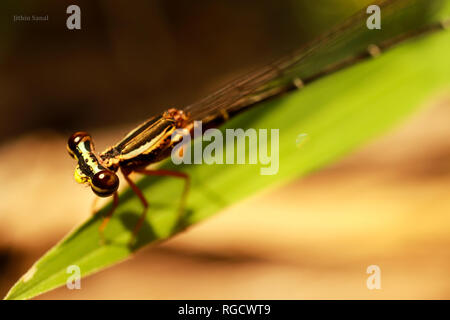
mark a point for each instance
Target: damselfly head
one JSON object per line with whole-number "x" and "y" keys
{"x": 90, "y": 169}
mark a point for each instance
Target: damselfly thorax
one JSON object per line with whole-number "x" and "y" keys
{"x": 150, "y": 142}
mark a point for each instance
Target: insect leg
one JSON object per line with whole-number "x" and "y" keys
{"x": 176, "y": 174}
{"x": 108, "y": 216}
{"x": 140, "y": 195}
{"x": 94, "y": 205}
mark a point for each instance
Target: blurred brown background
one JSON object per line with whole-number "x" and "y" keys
{"x": 129, "y": 61}
{"x": 388, "y": 204}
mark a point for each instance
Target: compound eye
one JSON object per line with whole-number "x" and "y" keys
{"x": 75, "y": 139}
{"x": 104, "y": 183}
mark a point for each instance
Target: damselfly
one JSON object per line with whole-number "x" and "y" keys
{"x": 151, "y": 142}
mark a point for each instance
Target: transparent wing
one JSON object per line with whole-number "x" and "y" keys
{"x": 343, "y": 45}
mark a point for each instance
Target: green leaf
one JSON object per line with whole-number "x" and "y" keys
{"x": 318, "y": 125}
